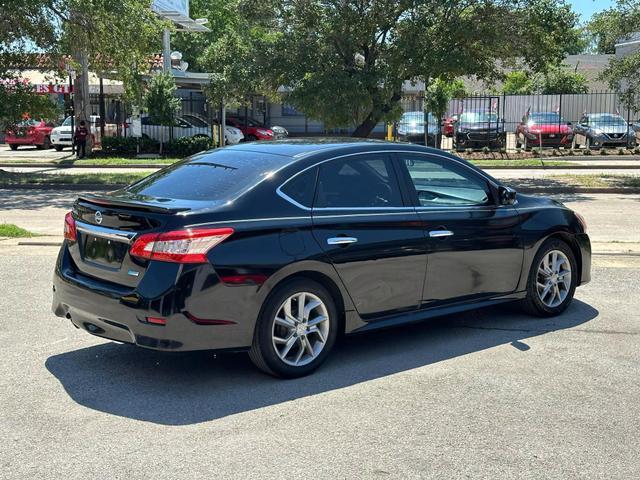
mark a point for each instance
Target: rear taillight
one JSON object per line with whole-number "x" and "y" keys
{"x": 70, "y": 227}
{"x": 179, "y": 246}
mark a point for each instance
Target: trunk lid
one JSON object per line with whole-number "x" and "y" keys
{"x": 106, "y": 227}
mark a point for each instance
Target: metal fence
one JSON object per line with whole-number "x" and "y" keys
{"x": 486, "y": 120}
{"x": 591, "y": 120}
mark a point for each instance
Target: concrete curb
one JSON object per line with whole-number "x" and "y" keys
{"x": 54, "y": 165}
{"x": 62, "y": 186}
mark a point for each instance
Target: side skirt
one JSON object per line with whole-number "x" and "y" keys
{"x": 420, "y": 315}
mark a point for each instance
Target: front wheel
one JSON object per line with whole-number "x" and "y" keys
{"x": 13, "y": 146}
{"x": 552, "y": 279}
{"x": 58, "y": 148}
{"x": 296, "y": 330}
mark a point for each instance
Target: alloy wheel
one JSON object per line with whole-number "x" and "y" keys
{"x": 300, "y": 329}
{"x": 553, "y": 280}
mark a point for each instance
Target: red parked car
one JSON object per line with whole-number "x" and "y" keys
{"x": 548, "y": 128}
{"x": 253, "y": 131}
{"x": 30, "y": 132}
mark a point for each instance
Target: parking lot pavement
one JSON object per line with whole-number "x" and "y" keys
{"x": 486, "y": 394}
{"x": 28, "y": 153}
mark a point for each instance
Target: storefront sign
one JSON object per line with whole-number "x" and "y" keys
{"x": 50, "y": 88}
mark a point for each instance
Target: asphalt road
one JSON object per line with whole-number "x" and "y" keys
{"x": 487, "y": 394}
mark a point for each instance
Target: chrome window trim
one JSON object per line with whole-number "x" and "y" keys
{"x": 389, "y": 152}
{"x": 501, "y": 208}
{"x": 105, "y": 232}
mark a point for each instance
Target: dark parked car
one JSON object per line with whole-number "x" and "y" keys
{"x": 478, "y": 129}
{"x": 277, "y": 248}
{"x": 597, "y": 130}
{"x": 543, "y": 129}
{"x": 411, "y": 128}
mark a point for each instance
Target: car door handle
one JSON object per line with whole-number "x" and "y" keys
{"x": 341, "y": 240}
{"x": 440, "y": 233}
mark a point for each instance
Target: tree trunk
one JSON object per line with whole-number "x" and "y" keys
{"x": 375, "y": 116}
{"x": 81, "y": 103}
{"x": 368, "y": 124}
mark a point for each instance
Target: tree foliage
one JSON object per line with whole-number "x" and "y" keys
{"x": 556, "y": 80}
{"x": 160, "y": 100}
{"x": 612, "y": 24}
{"x": 345, "y": 62}
{"x": 623, "y": 73}
{"x": 18, "y": 101}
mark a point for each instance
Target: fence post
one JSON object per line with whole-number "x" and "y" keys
{"x": 559, "y": 116}
{"x": 630, "y": 129}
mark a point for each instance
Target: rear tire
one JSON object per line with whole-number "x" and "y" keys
{"x": 58, "y": 148}
{"x": 251, "y": 138}
{"x": 549, "y": 292}
{"x": 13, "y": 146}
{"x": 297, "y": 342}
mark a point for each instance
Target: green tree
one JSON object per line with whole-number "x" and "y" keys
{"x": 518, "y": 82}
{"x": 18, "y": 100}
{"x": 345, "y": 62}
{"x": 107, "y": 36}
{"x": 623, "y": 73}
{"x": 610, "y": 25}
{"x": 560, "y": 80}
{"x": 438, "y": 94}
{"x": 161, "y": 102}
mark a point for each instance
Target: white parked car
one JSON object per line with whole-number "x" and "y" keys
{"x": 62, "y": 136}
{"x": 188, "y": 125}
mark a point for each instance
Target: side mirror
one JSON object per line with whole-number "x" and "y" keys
{"x": 507, "y": 195}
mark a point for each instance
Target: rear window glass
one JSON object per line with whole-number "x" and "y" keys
{"x": 302, "y": 187}
{"x": 212, "y": 176}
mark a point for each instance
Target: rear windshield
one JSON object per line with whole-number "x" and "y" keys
{"x": 210, "y": 176}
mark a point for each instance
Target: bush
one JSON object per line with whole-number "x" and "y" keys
{"x": 486, "y": 150}
{"x": 587, "y": 151}
{"x": 636, "y": 150}
{"x": 622, "y": 151}
{"x": 604, "y": 151}
{"x": 129, "y": 145}
{"x": 185, "y": 146}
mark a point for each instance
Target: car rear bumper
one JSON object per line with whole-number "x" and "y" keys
{"x": 21, "y": 140}
{"x": 121, "y": 313}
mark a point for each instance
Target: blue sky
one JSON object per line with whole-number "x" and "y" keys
{"x": 586, "y": 8}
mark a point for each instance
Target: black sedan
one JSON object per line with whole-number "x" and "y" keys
{"x": 278, "y": 248}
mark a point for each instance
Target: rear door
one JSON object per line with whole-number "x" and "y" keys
{"x": 371, "y": 235}
{"x": 474, "y": 247}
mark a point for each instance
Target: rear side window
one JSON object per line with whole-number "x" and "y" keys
{"x": 301, "y": 187}
{"x": 367, "y": 182}
{"x": 211, "y": 176}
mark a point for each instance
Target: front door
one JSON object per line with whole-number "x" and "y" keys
{"x": 371, "y": 236}
{"x": 474, "y": 248}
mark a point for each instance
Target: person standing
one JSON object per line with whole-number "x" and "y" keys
{"x": 80, "y": 138}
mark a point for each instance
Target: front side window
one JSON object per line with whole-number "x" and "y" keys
{"x": 439, "y": 184}
{"x": 367, "y": 182}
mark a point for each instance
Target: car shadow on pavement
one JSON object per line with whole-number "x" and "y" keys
{"x": 189, "y": 388}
